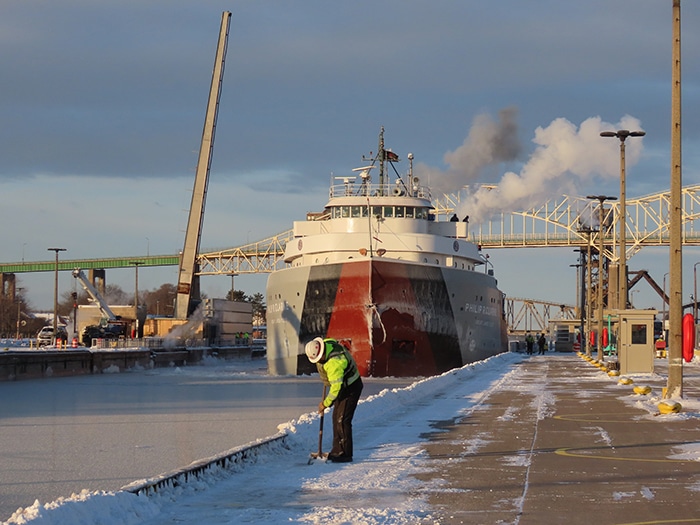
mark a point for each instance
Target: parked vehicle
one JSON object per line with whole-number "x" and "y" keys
{"x": 112, "y": 326}
{"x": 113, "y": 330}
{"x": 45, "y": 336}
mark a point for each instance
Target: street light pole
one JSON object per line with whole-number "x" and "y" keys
{"x": 663, "y": 314}
{"x": 55, "y": 292}
{"x": 589, "y": 279}
{"x": 695, "y": 292}
{"x": 599, "y": 336}
{"x": 578, "y": 284}
{"x": 18, "y": 293}
{"x": 632, "y": 298}
{"x": 136, "y": 295}
{"x": 579, "y": 292}
{"x": 622, "y": 134}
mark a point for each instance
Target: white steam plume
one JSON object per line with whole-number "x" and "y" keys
{"x": 488, "y": 143}
{"x": 564, "y": 156}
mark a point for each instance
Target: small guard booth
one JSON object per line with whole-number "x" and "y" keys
{"x": 635, "y": 350}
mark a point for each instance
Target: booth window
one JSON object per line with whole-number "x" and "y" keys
{"x": 639, "y": 334}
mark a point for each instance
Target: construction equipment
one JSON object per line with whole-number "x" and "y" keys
{"x": 188, "y": 280}
{"x": 111, "y": 326}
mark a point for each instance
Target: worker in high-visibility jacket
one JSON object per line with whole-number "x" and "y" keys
{"x": 339, "y": 372}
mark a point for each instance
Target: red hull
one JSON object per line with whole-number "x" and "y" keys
{"x": 396, "y": 318}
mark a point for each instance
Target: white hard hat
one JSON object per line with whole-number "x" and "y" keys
{"x": 314, "y": 349}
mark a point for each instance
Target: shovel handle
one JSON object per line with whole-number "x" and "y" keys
{"x": 320, "y": 432}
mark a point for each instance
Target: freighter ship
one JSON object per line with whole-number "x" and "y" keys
{"x": 404, "y": 291}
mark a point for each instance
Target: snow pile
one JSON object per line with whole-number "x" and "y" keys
{"x": 90, "y": 508}
{"x": 390, "y": 402}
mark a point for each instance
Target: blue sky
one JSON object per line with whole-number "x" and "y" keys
{"x": 103, "y": 105}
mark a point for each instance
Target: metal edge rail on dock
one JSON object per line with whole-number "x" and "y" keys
{"x": 198, "y": 469}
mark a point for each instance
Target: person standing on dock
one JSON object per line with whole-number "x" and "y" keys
{"x": 542, "y": 343}
{"x": 529, "y": 343}
{"x": 339, "y": 372}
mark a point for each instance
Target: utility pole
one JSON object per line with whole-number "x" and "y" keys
{"x": 674, "y": 387}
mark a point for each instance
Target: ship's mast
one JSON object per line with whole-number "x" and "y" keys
{"x": 380, "y": 157}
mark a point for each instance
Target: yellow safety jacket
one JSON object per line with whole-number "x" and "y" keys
{"x": 338, "y": 371}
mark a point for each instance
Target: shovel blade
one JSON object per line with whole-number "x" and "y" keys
{"x": 322, "y": 456}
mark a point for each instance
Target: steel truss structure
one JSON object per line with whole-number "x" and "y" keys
{"x": 258, "y": 257}
{"x": 533, "y": 315}
{"x": 560, "y": 222}
{"x": 565, "y": 222}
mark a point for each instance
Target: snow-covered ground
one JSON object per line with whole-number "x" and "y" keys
{"x": 279, "y": 486}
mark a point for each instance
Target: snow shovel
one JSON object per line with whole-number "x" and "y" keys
{"x": 319, "y": 454}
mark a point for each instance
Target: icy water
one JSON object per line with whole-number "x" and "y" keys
{"x": 101, "y": 432}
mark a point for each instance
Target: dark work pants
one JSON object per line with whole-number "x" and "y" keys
{"x": 343, "y": 412}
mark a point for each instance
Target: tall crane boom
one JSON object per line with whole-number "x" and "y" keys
{"x": 188, "y": 281}
{"x": 94, "y": 295}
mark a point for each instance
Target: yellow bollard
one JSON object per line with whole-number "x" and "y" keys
{"x": 669, "y": 407}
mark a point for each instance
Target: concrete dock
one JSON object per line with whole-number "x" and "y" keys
{"x": 591, "y": 452}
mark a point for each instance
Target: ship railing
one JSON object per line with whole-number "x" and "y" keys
{"x": 352, "y": 189}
